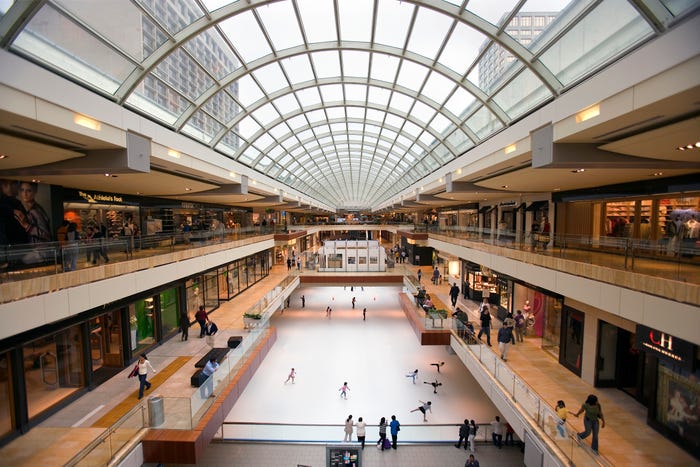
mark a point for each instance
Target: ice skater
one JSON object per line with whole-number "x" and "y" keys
{"x": 292, "y": 375}
{"x": 303, "y": 301}
{"x": 344, "y": 390}
{"x": 413, "y": 375}
{"x": 364, "y": 314}
{"x": 424, "y": 406}
{"x": 435, "y": 384}
{"x": 353, "y": 302}
{"x": 437, "y": 365}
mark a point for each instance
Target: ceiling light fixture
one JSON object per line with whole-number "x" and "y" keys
{"x": 588, "y": 113}
{"x": 504, "y": 186}
{"x": 87, "y": 122}
{"x": 188, "y": 188}
{"x": 578, "y": 171}
{"x": 510, "y": 148}
{"x": 173, "y": 153}
{"x": 3, "y": 156}
{"x": 657, "y": 174}
{"x": 107, "y": 175}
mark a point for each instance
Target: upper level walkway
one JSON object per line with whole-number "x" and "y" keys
{"x": 624, "y": 262}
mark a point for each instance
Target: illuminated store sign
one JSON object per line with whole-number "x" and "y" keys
{"x": 666, "y": 346}
{"x": 100, "y": 197}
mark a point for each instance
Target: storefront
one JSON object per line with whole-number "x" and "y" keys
{"x": 44, "y": 369}
{"x": 100, "y": 209}
{"x": 543, "y": 312}
{"x": 673, "y": 386}
{"x": 619, "y": 363}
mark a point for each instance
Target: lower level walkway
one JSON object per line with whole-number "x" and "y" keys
{"x": 626, "y": 438}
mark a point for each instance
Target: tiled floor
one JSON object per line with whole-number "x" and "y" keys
{"x": 626, "y": 440}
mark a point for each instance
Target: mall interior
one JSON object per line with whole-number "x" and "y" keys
{"x": 161, "y": 157}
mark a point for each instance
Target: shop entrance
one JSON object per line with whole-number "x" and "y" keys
{"x": 106, "y": 353}
{"x": 619, "y": 363}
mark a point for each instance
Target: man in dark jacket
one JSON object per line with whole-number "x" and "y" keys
{"x": 454, "y": 293}
{"x": 463, "y": 433}
{"x": 485, "y": 318}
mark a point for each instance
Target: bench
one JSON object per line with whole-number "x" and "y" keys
{"x": 218, "y": 352}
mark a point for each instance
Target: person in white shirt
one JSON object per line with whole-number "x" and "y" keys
{"x": 208, "y": 370}
{"x": 361, "y": 431}
{"x": 144, "y": 365}
{"x": 425, "y": 406}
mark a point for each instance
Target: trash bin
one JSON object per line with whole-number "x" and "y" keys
{"x": 156, "y": 411}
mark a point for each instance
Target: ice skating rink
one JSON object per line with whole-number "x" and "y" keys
{"x": 373, "y": 356}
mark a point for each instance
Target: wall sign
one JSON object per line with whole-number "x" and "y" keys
{"x": 666, "y": 346}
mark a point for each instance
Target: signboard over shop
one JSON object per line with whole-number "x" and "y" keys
{"x": 666, "y": 346}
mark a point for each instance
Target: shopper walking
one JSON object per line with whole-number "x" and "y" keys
{"x": 361, "y": 431}
{"x": 454, "y": 294}
{"x": 382, "y": 433}
{"x": 202, "y": 317}
{"x": 144, "y": 365}
{"x": 497, "y": 432}
{"x": 519, "y": 325}
{"x": 394, "y": 428}
{"x": 348, "y": 429}
{"x": 463, "y": 434}
{"x": 344, "y": 390}
{"x": 504, "y": 337}
{"x": 485, "y": 318}
{"x": 423, "y": 408}
{"x": 184, "y": 324}
{"x": 472, "y": 435}
{"x": 593, "y": 412}
{"x": 562, "y": 412}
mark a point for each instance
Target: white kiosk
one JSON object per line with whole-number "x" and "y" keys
{"x": 351, "y": 256}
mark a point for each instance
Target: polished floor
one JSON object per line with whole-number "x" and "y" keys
{"x": 626, "y": 439}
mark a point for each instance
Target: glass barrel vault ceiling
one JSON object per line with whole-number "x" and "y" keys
{"x": 347, "y": 101}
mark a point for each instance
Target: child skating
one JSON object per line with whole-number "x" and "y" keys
{"x": 425, "y": 406}
{"x": 344, "y": 390}
{"x": 292, "y": 375}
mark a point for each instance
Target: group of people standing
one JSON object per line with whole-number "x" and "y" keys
{"x": 383, "y": 443}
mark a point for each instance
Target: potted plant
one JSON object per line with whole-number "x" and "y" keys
{"x": 251, "y": 319}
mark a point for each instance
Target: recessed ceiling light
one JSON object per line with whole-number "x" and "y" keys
{"x": 107, "y": 175}
{"x": 657, "y": 174}
{"x": 504, "y": 186}
{"x": 578, "y": 171}
{"x": 188, "y": 189}
{"x": 35, "y": 180}
{"x": 3, "y": 156}
{"x": 557, "y": 189}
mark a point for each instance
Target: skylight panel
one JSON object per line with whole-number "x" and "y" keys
{"x": 247, "y": 127}
{"x": 315, "y": 116}
{"x": 428, "y": 32}
{"x": 296, "y": 122}
{"x": 248, "y": 91}
{"x": 305, "y": 135}
{"x": 356, "y": 92}
{"x": 412, "y": 75}
{"x": 355, "y": 20}
{"x": 459, "y": 101}
{"x": 278, "y": 131}
{"x": 263, "y": 141}
{"x": 270, "y": 77}
{"x": 336, "y": 113}
{"x": 286, "y": 104}
{"x": 440, "y": 123}
{"x": 462, "y": 48}
{"x": 401, "y": 102}
{"x": 412, "y": 129}
{"x": 355, "y": 112}
{"x": 393, "y": 21}
{"x": 491, "y": 11}
{"x": 394, "y": 120}
{"x": 378, "y": 96}
{"x": 281, "y": 25}
{"x": 266, "y": 114}
{"x": 326, "y": 64}
{"x": 422, "y": 112}
{"x": 338, "y": 127}
{"x": 243, "y": 31}
{"x": 375, "y": 115}
{"x": 318, "y": 20}
{"x": 355, "y": 63}
{"x": 308, "y": 96}
{"x": 298, "y": 69}
{"x": 384, "y": 67}
{"x": 438, "y": 87}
